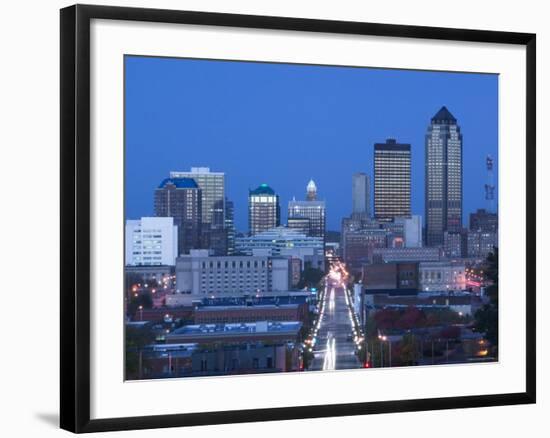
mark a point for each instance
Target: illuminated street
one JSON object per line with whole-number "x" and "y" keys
{"x": 334, "y": 346}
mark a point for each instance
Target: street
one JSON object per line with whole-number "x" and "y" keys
{"x": 334, "y": 347}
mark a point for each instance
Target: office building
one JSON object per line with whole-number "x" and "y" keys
{"x": 200, "y": 274}
{"x": 359, "y": 245}
{"x": 392, "y": 180}
{"x": 443, "y": 194}
{"x": 151, "y": 241}
{"x": 264, "y": 211}
{"x": 360, "y": 194}
{"x": 482, "y": 220}
{"x": 212, "y": 185}
{"x": 455, "y": 244}
{"x": 311, "y": 209}
{"x": 181, "y": 199}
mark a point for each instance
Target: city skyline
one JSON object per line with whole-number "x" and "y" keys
{"x": 476, "y": 113}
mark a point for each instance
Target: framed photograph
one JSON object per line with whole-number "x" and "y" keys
{"x": 268, "y": 218}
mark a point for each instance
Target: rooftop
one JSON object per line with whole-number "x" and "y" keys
{"x": 180, "y": 183}
{"x": 254, "y": 301}
{"x": 262, "y": 189}
{"x": 232, "y": 328}
{"x": 443, "y": 116}
{"x": 392, "y": 145}
{"x": 221, "y": 308}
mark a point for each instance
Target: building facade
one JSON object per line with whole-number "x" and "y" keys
{"x": 212, "y": 185}
{"x": 455, "y": 244}
{"x": 200, "y": 274}
{"x": 264, "y": 211}
{"x": 359, "y": 246}
{"x": 442, "y": 276}
{"x": 392, "y": 180}
{"x": 412, "y": 230}
{"x": 299, "y": 224}
{"x": 181, "y": 199}
{"x": 389, "y": 255}
{"x": 481, "y": 243}
{"x": 276, "y": 241}
{"x": 230, "y": 226}
{"x": 381, "y": 276}
{"x": 360, "y": 194}
{"x": 443, "y": 181}
{"x": 151, "y": 241}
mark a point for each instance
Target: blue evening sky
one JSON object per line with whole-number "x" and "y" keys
{"x": 283, "y": 124}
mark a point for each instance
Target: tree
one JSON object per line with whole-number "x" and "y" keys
{"x": 486, "y": 318}
{"x": 311, "y": 277}
{"x": 412, "y": 317}
{"x": 143, "y": 299}
{"x": 136, "y": 339}
{"x": 386, "y": 318}
{"x": 408, "y": 353}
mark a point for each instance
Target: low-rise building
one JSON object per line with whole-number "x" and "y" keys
{"x": 258, "y": 331}
{"x": 463, "y": 304}
{"x": 237, "y": 314}
{"x": 442, "y": 276}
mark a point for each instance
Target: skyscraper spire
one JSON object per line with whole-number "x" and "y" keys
{"x": 311, "y": 191}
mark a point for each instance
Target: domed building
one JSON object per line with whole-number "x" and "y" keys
{"x": 263, "y": 209}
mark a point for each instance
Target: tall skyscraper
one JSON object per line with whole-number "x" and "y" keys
{"x": 312, "y": 210}
{"x": 264, "y": 211}
{"x": 392, "y": 180}
{"x": 212, "y": 185}
{"x": 180, "y": 198}
{"x": 443, "y": 196}
{"x": 361, "y": 204}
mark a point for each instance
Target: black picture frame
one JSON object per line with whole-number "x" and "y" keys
{"x": 75, "y": 217}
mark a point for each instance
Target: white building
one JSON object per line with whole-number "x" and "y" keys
{"x": 283, "y": 241}
{"x": 151, "y": 241}
{"x": 442, "y": 276}
{"x": 412, "y": 231}
{"x": 203, "y": 275}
